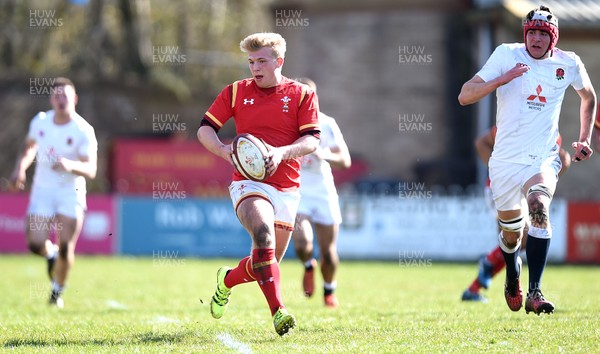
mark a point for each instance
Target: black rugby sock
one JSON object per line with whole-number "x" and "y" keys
{"x": 537, "y": 255}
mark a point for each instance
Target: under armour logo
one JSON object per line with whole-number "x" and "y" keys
{"x": 248, "y": 101}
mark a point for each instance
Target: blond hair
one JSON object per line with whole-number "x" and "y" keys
{"x": 257, "y": 41}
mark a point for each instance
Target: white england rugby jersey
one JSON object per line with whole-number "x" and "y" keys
{"x": 529, "y": 106}
{"x": 70, "y": 140}
{"x": 316, "y": 178}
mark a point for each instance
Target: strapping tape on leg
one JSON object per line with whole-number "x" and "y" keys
{"x": 503, "y": 244}
{"x": 541, "y": 189}
{"x": 513, "y": 225}
{"x": 540, "y": 233}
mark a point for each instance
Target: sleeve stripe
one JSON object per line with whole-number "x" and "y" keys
{"x": 302, "y": 95}
{"x": 309, "y": 126}
{"x": 213, "y": 119}
{"x": 234, "y": 93}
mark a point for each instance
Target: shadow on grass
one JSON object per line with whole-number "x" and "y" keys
{"x": 149, "y": 337}
{"x": 26, "y": 342}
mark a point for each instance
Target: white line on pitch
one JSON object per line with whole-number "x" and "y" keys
{"x": 163, "y": 320}
{"x": 113, "y": 304}
{"x": 230, "y": 342}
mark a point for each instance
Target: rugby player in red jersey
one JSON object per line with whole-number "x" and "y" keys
{"x": 284, "y": 114}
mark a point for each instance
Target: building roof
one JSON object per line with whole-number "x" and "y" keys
{"x": 570, "y": 13}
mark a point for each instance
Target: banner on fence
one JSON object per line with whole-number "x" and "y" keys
{"x": 97, "y": 235}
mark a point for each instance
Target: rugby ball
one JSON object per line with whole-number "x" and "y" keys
{"x": 249, "y": 155}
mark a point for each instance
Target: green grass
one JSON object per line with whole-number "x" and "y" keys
{"x": 135, "y": 305}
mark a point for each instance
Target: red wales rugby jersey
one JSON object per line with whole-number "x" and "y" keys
{"x": 278, "y": 115}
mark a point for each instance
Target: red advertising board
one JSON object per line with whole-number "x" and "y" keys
{"x": 176, "y": 169}
{"x": 97, "y": 235}
{"x": 168, "y": 168}
{"x": 583, "y": 242}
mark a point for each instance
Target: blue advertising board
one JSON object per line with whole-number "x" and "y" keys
{"x": 187, "y": 227}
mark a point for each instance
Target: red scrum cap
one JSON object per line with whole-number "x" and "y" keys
{"x": 542, "y": 19}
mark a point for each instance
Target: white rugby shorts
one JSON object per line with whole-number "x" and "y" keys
{"x": 507, "y": 180}
{"x": 323, "y": 210}
{"x": 48, "y": 202}
{"x": 285, "y": 204}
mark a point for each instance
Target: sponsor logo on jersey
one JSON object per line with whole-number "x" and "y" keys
{"x": 560, "y": 74}
{"x": 531, "y": 100}
{"x": 248, "y": 101}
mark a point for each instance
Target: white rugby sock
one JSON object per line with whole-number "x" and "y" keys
{"x": 52, "y": 253}
{"x": 56, "y": 287}
{"x": 330, "y": 286}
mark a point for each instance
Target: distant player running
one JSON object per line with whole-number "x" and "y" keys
{"x": 530, "y": 80}
{"x": 493, "y": 262}
{"x": 319, "y": 207}
{"x": 64, "y": 147}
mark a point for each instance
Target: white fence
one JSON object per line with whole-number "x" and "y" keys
{"x": 430, "y": 228}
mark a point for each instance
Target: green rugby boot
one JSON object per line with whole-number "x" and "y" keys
{"x": 220, "y": 299}
{"x": 283, "y": 321}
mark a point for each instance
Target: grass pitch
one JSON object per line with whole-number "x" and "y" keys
{"x": 145, "y": 305}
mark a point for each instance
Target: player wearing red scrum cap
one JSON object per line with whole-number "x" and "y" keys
{"x": 530, "y": 80}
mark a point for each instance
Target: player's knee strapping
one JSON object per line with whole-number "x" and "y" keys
{"x": 538, "y": 213}
{"x": 540, "y": 188}
{"x": 514, "y": 225}
{"x": 506, "y": 246}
